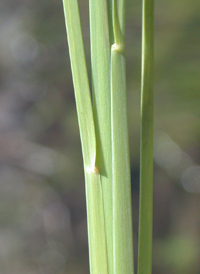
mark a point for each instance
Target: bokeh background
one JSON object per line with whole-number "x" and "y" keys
{"x": 42, "y": 199}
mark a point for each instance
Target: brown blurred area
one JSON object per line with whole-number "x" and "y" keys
{"x": 42, "y": 200}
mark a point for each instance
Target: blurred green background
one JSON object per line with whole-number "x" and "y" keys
{"x": 42, "y": 200}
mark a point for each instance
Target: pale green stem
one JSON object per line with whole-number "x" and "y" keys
{"x": 96, "y": 226}
{"x": 100, "y": 60}
{"x": 95, "y": 208}
{"x": 122, "y": 215}
{"x": 146, "y": 154}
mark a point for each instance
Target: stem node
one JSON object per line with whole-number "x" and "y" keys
{"x": 118, "y": 47}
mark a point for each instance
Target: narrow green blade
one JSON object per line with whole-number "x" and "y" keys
{"x": 100, "y": 60}
{"x": 80, "y": 80}
{"x": 146, "y": 152}
{"x": 95, "y": 208}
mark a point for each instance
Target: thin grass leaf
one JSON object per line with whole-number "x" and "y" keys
{"x": 95, "y": 208}
{"x": 146, "y": 151}
{"x": 80, "y": 80}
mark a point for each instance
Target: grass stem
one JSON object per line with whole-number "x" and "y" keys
{"x": 94, "y": 197}
{"x": 122, "y": 216}
{"x": 146, "y": 144}
{"x": 100, "y": 67}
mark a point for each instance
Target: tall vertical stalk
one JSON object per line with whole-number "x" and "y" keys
{"x": 94, "y": 197}
{"x": 122, "y": 217}
{"x": 146, "y": 152}
{"x": 100, "y": 63}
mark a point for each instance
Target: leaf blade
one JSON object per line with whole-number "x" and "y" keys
{"x": 94, "y": 199}
{"x": 100, "y": 63}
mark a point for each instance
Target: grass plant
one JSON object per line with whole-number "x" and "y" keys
{"x": 104, "y": 134}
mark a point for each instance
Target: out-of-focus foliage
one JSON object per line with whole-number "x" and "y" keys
{"x": 42, "y": 202}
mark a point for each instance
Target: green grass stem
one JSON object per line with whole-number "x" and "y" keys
{"x": 96, "y": 226}
{"x": 100, "y": 64}
{"x": 122, "y": 216}
{"x": 94, "y": 197}
{"x": 146, "y": 152}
